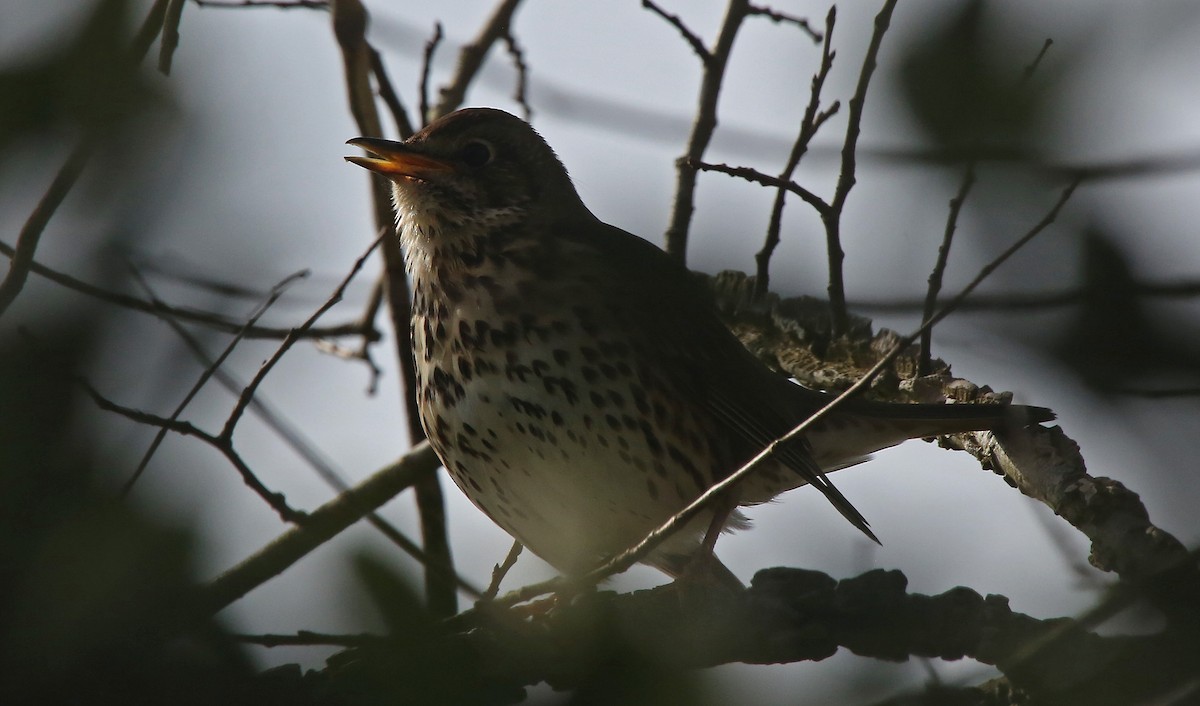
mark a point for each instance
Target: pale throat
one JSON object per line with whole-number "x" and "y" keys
{"x": 431, "y": 233}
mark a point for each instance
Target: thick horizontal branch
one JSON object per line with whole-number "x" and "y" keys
{"x": 787, "y": 615}
{"x": 319, "y": 527}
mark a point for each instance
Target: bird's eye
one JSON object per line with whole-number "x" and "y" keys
{"x": 476, "y": 153}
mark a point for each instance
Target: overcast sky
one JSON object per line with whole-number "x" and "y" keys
{"x": 245, "y": 182}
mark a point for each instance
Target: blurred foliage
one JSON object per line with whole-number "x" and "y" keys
{"x": 1115, "y": 341}
{"x": 966, "y": 83}
{"x": 88, "y": 83}
{"x": 93, "y": 593}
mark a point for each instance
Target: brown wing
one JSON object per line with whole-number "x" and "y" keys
{"x": 674, "y": 310}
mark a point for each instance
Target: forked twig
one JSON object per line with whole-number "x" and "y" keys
{"x": 832, "y": 218}
{"x": 715, "y": 61}
{"x": 813, "y": 118}
{"x": 209, "y": 370}
{"x": 323, "y": 524}
{"x": 501, "y": 570}
{"x": 426, "y": 67}
{"x": 470, "y": 58}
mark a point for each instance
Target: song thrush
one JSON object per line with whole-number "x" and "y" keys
{"x": 574, "y": 380}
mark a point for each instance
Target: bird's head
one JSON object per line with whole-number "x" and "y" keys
{"x": 471, "y": 172}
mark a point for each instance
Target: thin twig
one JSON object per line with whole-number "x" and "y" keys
{"x": 296, "y": 440}
{"x": 1033, "y": 301}
{"x": 277, "y": 501}
{"x": 1037, "y": 60}
{"x": 308, "y": 638}
{"x": 349, "y": 26}
{"x": 374, "y": 302}
{"x": 209, "y": 370}
{"x": 248, "y": 393}
{"x": 925, "y": 359}
{"x": 780, "y": 17}
{"x": 809, "y": 124}
{"x": 322, "y": 524}
{"x": 278, "y": 4}
{"x": 832, "y": 218}
{"x": 65, "y": 178}
{"x": 426, "y": 67}
{"x": 688, "y": 35}
{"x": 207, "y": 319}
{"x": 388, "y": 93}
{"x": 470, "y": 57}
{"x": 170, "y": 35}
{"x": 35, "y": 225}
{"x": 702, "y": 130}
{"x": 925, "y": 356}
{"x": 750, "y": 174}
{"x": 518, "y": 59}
{"x": 501, "y": 570}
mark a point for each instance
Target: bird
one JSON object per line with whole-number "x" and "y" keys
{"x": 576, "y": 382}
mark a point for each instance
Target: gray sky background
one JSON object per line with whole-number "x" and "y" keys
{"x": 246, "y": 183}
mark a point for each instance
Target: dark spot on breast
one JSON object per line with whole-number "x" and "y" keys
{"x": 531, "y": 409}
{"x": 686, "y": 464}
{"x": 651, "y": 439}
{"x": 452, "y": 292}
{"x": 471, "y": 258}
{"x": 639, "y": 399}
{"x": 560, "y": 356}
{"x": 503, "y": 338}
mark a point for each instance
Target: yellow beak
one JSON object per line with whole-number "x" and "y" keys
{"x": 395, "y": 159}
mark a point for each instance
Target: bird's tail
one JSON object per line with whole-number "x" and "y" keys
{"x": 862, "y": 427}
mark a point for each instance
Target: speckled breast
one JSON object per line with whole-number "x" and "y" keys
{"x": 551, "y": 416}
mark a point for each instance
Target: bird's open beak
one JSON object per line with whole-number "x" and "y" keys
{"x": 393, "y": 159}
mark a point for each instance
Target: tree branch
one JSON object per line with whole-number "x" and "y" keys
{"x": 832, "y": 218}
{"x": 470, "y": 58}
{"x": 809, "y": 124}
{"x": 702, "y": 129}
{"x": 349, "y": 26}
{"x": 322, "y": 524}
